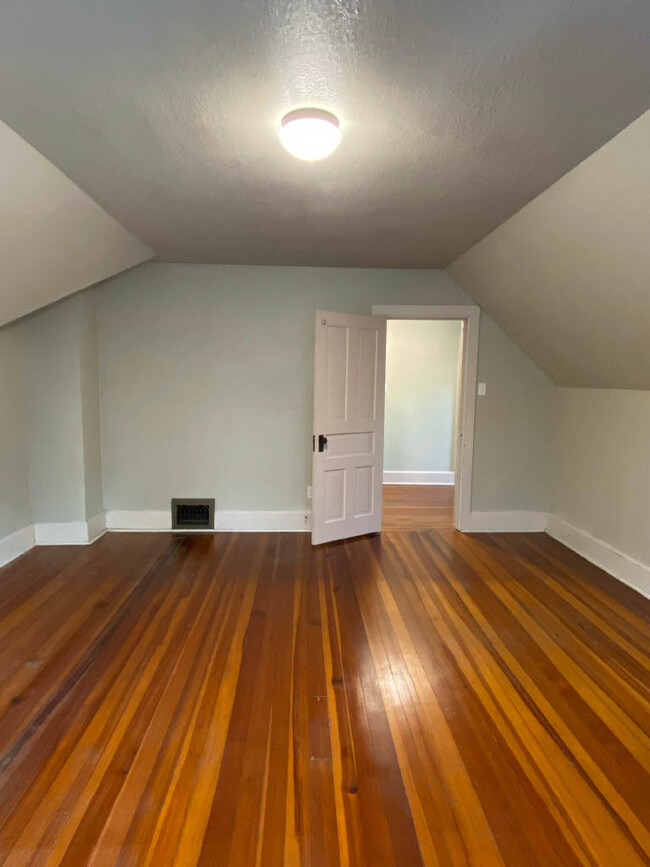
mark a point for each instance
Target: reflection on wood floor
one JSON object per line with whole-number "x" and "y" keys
{"x": 247, "y": 700}
{"x": 418, "y": 507}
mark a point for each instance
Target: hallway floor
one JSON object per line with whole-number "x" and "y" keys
{"x": 418, "y": 507}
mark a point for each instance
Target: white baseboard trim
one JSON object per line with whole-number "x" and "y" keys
{"x": 61, "y": 533}
{"x": 15, "y": 544}
{"x": 417, "y": 477}
{"x": 96, "y": 526}
{"x": 615, "y": 562}
{"x": 70, "y": 532}
{"x": 269, "y": 522}
{"x": 508, "y": 522}
{"x": 56, "y": 533}
{"x": 145, "y": 519}
{"x": 242, "y": 522}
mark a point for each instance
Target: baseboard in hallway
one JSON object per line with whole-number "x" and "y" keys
{"x": 418, "y": 477}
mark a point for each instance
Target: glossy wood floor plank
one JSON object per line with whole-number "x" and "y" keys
{"x": 421, "y": 697}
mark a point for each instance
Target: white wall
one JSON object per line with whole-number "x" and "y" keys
{"x": 206, "y": 385}
{"x": 421, "y": 390}
{"x": 14, "y": 487}
{"x": 602, "y": 477}
{"x": 54, "y": 239}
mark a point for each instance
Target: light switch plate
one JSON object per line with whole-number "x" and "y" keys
{"x": 482, "y": 389}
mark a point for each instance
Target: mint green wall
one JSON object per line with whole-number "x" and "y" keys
{"x": 53, "y": 413}
{"x": 205, "y": 388}
{"x": 422, "y": 359}
{"x": 602, "y": 460}
{"x": 89, "y": 398}
{"x": 14, "y": 487}
{"x": 206, "y": 385}
{"x": 62, "y": 410}
{"x": 513, "y": 434}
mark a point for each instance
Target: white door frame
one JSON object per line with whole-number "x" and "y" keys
{"x": 465, "y": 452}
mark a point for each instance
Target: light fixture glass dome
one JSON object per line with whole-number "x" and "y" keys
{"x": 310, "y": 133}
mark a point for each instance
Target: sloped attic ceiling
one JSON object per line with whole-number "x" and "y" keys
{"x": 568, "y": 277}
{"x": 54, "y": 239}
{"x": 455, "y": 113}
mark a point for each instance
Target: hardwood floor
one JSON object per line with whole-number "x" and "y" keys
{"x": 418, "y": 507}
{"x": 244, "y": 699}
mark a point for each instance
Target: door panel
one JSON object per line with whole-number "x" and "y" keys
{"x": 349, "y": 444}
{"x": 349, "y": 370}
{"x": 367, "y": 374}
{"x": 363, "y": 491}
{"x": 338, "y": 362}
{"x": 334, "y": 495}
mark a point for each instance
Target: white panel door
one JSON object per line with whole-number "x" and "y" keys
{"x": 348, "y": 444}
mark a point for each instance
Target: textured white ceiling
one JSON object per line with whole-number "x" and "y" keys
{"x": 54, "y": 240}
{"x": 568, "y": 277}
{"x": 455, "y": 113}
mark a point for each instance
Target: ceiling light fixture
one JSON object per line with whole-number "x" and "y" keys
{"x": 310, "y": 133}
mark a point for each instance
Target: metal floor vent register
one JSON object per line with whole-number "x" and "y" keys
{"x": 192, "y": 514}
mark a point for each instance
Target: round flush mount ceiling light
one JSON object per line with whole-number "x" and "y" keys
{"x": 310, "y": 133}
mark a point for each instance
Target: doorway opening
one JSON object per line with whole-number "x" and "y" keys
{"x": 430, "y": 402}
{"x": 348, "y": 431}
{"x": 423, "y": 370}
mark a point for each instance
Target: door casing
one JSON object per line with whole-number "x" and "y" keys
{"x": 470, "y": 317}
